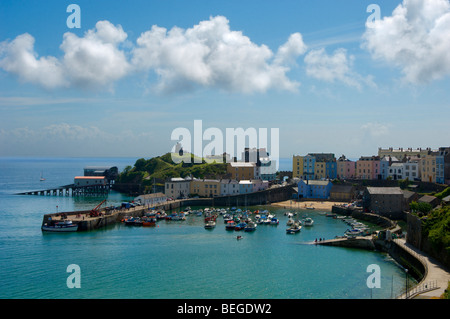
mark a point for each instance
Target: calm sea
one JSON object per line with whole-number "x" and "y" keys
{"x": 173, "y": 260}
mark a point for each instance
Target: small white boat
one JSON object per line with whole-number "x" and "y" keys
{"x": 210, "y": 224}
{"x": 308, "y": 221}
{"x": 289, "y": 222}
{"x": 274, "y": 221}
{"x": 60, "y": 226}
{"x": 295, "y": 228}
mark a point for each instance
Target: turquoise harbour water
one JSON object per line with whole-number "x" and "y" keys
{"x": 174, "y": 260}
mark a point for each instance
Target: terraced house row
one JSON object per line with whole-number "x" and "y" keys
{"x": 414, "y": 164}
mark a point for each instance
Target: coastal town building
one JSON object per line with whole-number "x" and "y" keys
{"x": 229, "y": 187}
{"x": 368, "y": 167}
{"x": 396, "y": 171}
{"x": 82, "y": 181}
{"x": 267, "y": 166}
{"x": 428, "y": 167}
{"x": 400, "y": 153}
{"x": 342, "y": 193}
{"x": 205, "y": 187}
{"x": 177, "y": 187}
{"x": 297, "y": 166}
{"x": 314, "y": 189}
{"x": 243, "y": 170}
{"x": 245, "y": 187}
{"x": 385, "y": 201}
{"x": 315, "y": 166}
{"x": 151, "y": 199}
{"x": 309, "y": 164}
{"x": 345, "y": 168}
{"x": 109, "y": 172}
{"x": 411, "y": 169}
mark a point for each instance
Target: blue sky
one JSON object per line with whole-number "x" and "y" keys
{"x": 120, "y": 84}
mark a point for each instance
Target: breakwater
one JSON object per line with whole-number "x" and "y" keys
{"x": 108, "y": 216}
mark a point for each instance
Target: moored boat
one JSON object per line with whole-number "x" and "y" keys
{"x": 240, "y": 226}
{"x": 274, "y": 221}
{"x": 210, "y": 224}
{"x": 230, "y": 225}
{"x": 60, "y": 226}
{"x": 149, "y": 221}
{"x": 308, "y": 221}
{"x": 295, "y": 228}
{"x": 251, "y": 226}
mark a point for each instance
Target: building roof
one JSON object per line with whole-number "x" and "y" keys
{"x": 177, "y": 179}
{"x": 342, "y": 189}
{"x": 99, "y": 168}
{"x": 90, "y": 177}
{"x": 427, "y": 199}
{"x": 385, "y": 190}
{"x": 408, "y": 194}
{"x": 242, "y": 164}
{"x": 446, "y": 199}
{"x": 317, "y": 183}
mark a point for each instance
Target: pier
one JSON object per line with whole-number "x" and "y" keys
{"x": 110, "y": 216}
{"x": 72, "y": 190}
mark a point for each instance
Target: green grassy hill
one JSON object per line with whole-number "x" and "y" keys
{"x": 158, "y": 169}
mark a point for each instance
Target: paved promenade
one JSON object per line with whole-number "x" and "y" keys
{"x": 437, "y": 275}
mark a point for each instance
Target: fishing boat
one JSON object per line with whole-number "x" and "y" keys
{"x": 251, "y": 226}
{"x": 240, "y": 226}
{"x": 274, "y": 221}
{"x": 310, "y": 207}
{"x": 60, "y": 226}
{"x": 210, "y": 224}
{"x": 230, "y": 225}
{"x": 308, "y": 221}
{"x": 353, "y": 232}
{"x": 294, "y": 228}
{"x": 149, "y": 221}
{"x": 289, "y": 222}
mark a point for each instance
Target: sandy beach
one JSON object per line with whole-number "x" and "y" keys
{"x": 324, "y": 206}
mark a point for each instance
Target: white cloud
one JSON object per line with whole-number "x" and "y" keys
{"x": 415, "y": 38}
{"x": 375, "y": 129}
{"x": 211, "y": 55}
{"x": 93, "y": 60}
{"x": 207, "y": 55}
{"x": 335, "y": 67}
{"x": 18, "y": 57}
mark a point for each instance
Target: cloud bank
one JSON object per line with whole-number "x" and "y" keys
{"x": 208, "y": 55}
{"x": 415, "y": 38}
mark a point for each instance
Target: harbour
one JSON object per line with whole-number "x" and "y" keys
{"x": 161, "y": 261}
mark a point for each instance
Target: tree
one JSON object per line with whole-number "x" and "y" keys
{"x": 421, "y": 208}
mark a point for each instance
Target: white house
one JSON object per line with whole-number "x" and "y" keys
{"x": 396, "y": 171}
{"x": 177, "y": 187}
{"x": 151, "y": 199}
{"x": 411, "y": 170}
{"x": 259, "y": 185}
{"x": 229, "y": 187}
